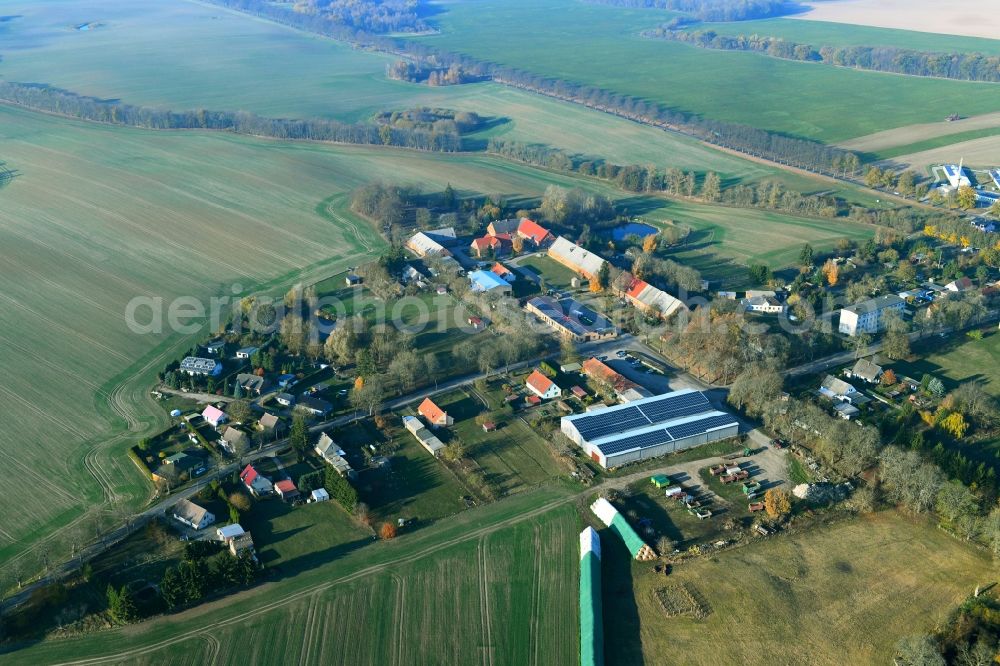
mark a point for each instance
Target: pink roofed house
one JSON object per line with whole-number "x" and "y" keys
{"x": 214, "y": 415}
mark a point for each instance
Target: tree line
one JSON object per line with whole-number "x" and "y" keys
{"x": 42, "y": 97}
{"x": 801, "y": 153}
{"x": 963, "y": 66}
{"x": 712, "y": 10}
{"x": 376, "y": 16}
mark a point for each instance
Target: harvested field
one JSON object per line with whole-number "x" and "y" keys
{"x": 904, "y": 136}
{"x": 975, "y": 20}
{"x": 977, "y": 153}
{"x": 842, "y": 594}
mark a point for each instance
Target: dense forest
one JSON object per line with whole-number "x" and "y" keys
{"x": 53, "y": 100}
{"x": 714, "y": 10}
{"x": 376, "y": 16}
{"x": 963, "y": 66}
{"x": 430, "y": 73}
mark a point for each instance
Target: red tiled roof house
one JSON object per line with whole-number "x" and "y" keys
{"x": 433, "y": 414}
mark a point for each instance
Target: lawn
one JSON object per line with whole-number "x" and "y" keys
{"x": 813, "y": 99}
{"x": 500, "y": 579}
{"x": 555, "y": 274}
{"x": 833, "y": 595}
{"x": 958, "y": 361}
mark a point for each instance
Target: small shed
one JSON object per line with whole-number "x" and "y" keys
{"x": 319, "y": 495}
{"x": 229, "y": 532}
{"x": 660, "y": 480}
{"x": 489, "y": 426}
{"x": 286, "y": 490}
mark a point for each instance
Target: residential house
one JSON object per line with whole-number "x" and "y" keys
{"x": 869, "y": 316}
{"x": 646, "y": 297}
{"x": 435, "y": 416}
{"x": 476, "y": 323}
{"x": 271, "y": 424}
{"x": 334, "y": 456}
{"x": 837, "y": 389}
{"x": 251, "y": 383}
{"x": 319, "y": 495}
{"x": 502, "y": 227}
{"x": 432, "y": 444}
{"x": 488, "y": 282}
{"x": 542, "y": 386}
{"x": 246, "y": 352}
{"x": 258, "y": 484}
{"x": 241, "y": 544}
{"x": 495, "y": 246}
{"x": 234, "y": 440}
{"x": 192, "y": 515}
{"x": 960, "y": 285}
{"x": 763, "y": 305}
{"x": 411, "y": 274}
{"x": 625, "y": 389}
{"x": 534, "y": 233}
{"x": 286, "y": 399}
{"x": 578, "y": 392}
{"x": 352, "y": 280}
{"x": 206, "y": 367}
{"x": 214, "y": 416}
{"x": 286, "y": 381}
{"x": 503, "y": 272}
{"x": 227, "y": 533}
{"x": 866, "y": 370}
{"x": 286, "y": 490}
{"x": 316, "y": 406}
{"x": 846, "y": 410}
{"x": 575, "y": 258}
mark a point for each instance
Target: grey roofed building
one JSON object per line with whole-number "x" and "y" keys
{"x": 316, "y": 406}
{"x": 194, "y": 365}
{"x": 285, "y": 399}
{"x": 846, "y": 410}
{"x": 866, "y": 370}
{"x": 215, "y": 346}
{"x": 271, "y": 422}
{"x": 425, "y": 243}
{"x": 576, "y": 258}
{"x": 868, "y": 316}
{"x": 234, "y": 439}
{"x": 328, "y": 450}
{"x": 649, "y": 427}
{"x": 571, "y": 318}
{"x": 192, "y": 515}
{"x": 251, "y": 382}
{"x": 836, "y": 388}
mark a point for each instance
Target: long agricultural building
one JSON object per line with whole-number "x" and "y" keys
{"x": 649, "y": 428}
{"x": 591, "y": 614}
{"x": 575, "y": 258}
{"x": 616, "y": 522}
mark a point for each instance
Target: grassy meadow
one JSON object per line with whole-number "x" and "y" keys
{"x": 493, "y": 585}
{"x": 601, "y": 46}
{"x": 840, "y": 594}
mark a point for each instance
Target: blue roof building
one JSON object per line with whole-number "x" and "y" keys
{"x": 486, "y": 281}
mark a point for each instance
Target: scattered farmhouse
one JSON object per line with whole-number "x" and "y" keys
{"x": 426, "y": 243}
{"x": 334, "y": 456}
{"x": 625, "y": 389}
{"x": 241, "y": 544}
{"x": 476, "y": 323}
{"x": 208, "y": 367}
{"x": 646, "y": 297}
{"x": 435, "y": 416}
{"x": 258, "y": 484}
{"x": 534, "y": 233}
{"x": 542, "y": 386}
{"x": 213, "y": 416}
{"x": 286, "y": 490}
{"x": 488, "y": 282}
{"x": 192, "y": 515}
{"x": 866, "y": 370}
{"x": 571, "y": 319}
{"x": 575, "y": 258}
{"x": 315, "y": 406}
{"x": 252, "y": 384}
{"x": 412, "y": 274}
{"x": 648, "y": 428}
{"x": 960, "y": 285}
{"x": 869, "y": 316}
{"x": 423, "y": 435}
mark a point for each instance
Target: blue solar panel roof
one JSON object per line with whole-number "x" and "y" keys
{"x": 700, "y": 426}
{"x": 640, "y": 414}
{"x": 644, "y": 441}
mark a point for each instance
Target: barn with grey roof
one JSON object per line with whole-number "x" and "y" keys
{"x": 649, "y": 428}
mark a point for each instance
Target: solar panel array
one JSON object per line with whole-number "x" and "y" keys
{"x": 700, "y": 426}
{"x": 643, "y": 441}
{"x": 624, "y": 418}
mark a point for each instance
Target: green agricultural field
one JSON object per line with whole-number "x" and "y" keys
{"x": 496, "y": 582}
{"x": 218, "y": 59}
{"x": 601, "y": 46}
{"x": 840, "y": 594}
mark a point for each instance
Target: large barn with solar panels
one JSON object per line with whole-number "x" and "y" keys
{"x": 649, "y": 427}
